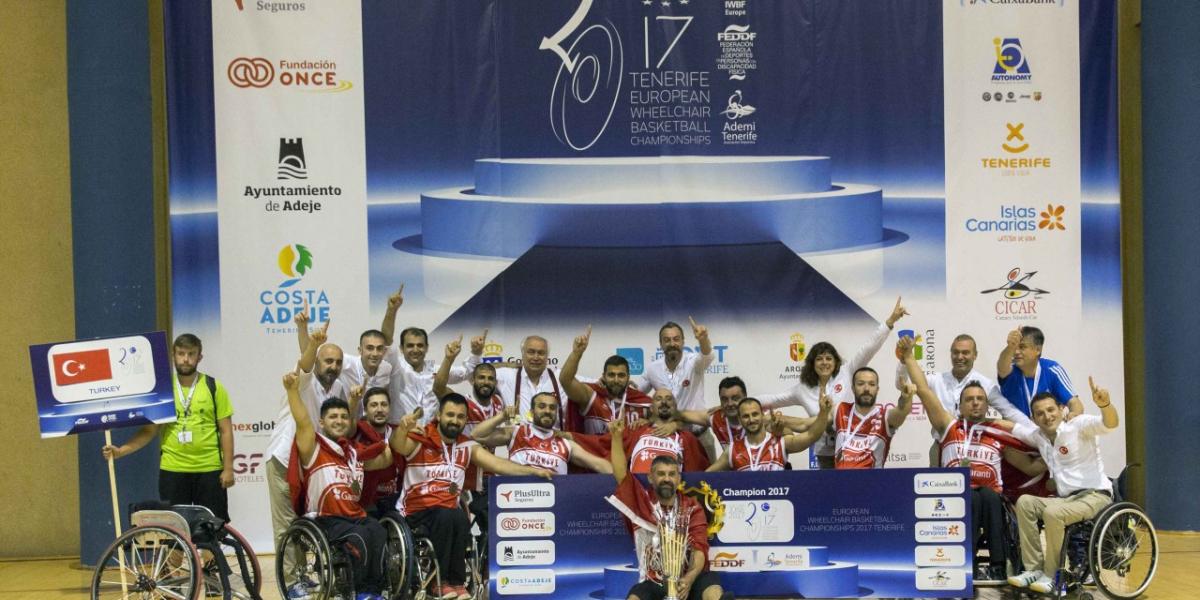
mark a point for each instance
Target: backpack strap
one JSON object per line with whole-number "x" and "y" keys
{"x": 211, "y": 382}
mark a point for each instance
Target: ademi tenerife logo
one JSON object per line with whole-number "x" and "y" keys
{"x": 525, "y": 495}
{"x": 308, "y": 75}
{"x": 525, "y": 581}
{"x": 938, "y": 483}
{"x": 525, "y": 524}
{"x": 291, "y": 196}
{"x": 1019, "y": 296}
{"x": 281, "y": 303}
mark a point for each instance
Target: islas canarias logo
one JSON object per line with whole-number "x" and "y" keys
{"x": 294, "y": 261}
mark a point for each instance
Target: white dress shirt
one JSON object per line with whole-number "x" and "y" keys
{"x": 410, "y": 388}
{"x": 948, "y": 390}
{"x": 353, "y": 373}
{"x": 312, "y": 394}
{"x": 1074, "y": 455}
{"x": 686, "y": 382}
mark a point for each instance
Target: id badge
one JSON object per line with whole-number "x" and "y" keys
{"x": 185, "y": 437}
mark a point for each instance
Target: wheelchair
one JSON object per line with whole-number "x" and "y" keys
{"x": 178, "y": 552}
{"x": 1012, "y": 537}
{"x": 425, "y": 572}
{"x": 1116, "y": 551}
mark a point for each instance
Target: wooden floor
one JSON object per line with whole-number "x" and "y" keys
{"x": 1178, "y": 576}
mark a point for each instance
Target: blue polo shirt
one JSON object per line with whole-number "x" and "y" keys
{"x": 1019, "y": 389}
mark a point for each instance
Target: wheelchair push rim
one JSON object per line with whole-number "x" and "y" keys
{"x": 314, "y": 564}
{"x": 244, "y": 582}
{"x": 159, "y": 562}
{"x": 1123, "y": 551}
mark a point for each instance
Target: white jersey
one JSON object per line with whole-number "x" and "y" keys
{"x": 514, "y": 386}
{"x": 686, "y": 382}
{"x": 948, "y": 390}
{"x": 410, "y": 388}
{"x": 354, "y": 374}
{"x": 312, "y": 394}
{"x": 1074, "y": 456}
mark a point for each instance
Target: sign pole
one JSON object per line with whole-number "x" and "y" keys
{"x": 112, "y": 486}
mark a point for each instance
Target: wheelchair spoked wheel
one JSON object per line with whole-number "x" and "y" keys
{"x": 476, "y": 582}
{"x": 243, "y": 583}
{"x": 310, "y": 563}
{"x": 426, "y": 575}
{"x": 1123, "y": 551}
{"x": 401, "y": 556}
{"x": 159, "y": 562}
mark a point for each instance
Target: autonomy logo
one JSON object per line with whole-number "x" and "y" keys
{"x": 291, "y": 165}
{"x": 636, "y": 359}
{"x": 281, "y": 303}
{"x": 1011, "y": 65}
{"x": 1020, "y": 298}
{"x": 493, "y": 352}
{"x": 291, "y": 159}
{"x": 1014, "y": 143}
{"x": 307, "y": 75}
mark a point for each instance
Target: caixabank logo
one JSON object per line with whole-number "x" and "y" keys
{"x": 281, "y": 303}
{"x": 306, "y": 75}
{"x": 290, "y": 193}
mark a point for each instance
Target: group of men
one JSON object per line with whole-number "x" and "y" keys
{"x": 382, "y": 431}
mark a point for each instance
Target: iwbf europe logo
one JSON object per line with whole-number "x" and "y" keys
{"x": 281, "y": 303}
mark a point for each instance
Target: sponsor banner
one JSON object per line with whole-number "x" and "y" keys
{"x": 842, "y": 527}
{"x": 99, "y": 384}
{"x": 525, "y": 495}
{"x": 512, "y": 582}
{"x": 934, "y": 580}
{"x": 941, "y": 508}
{"x": 939, "y": 483}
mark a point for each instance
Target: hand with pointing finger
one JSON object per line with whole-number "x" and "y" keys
{"x": 1099, "y": 395}
{"x": 897, "y": 312}
{"x": 581, "y": 341}
{"x": 453, "y": 348}
{"x": 320, "y": 335}
{"x": 301, "y": 318}
{"x": 700, "y": 332}
{"x": 477, "y": 343}
{"x": 396, "y": 299}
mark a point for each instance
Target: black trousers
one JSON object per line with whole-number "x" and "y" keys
{"x": 649, "y": 590}
{"x": 364, "y": 540}
{"x": 988, "y": 509}
{"x": 449, "y": 530}
{"x": 203, "y": 489}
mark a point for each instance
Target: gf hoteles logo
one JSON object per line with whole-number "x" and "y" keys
{"x": 256, "y": 72}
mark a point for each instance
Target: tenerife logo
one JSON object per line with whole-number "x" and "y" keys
{"x": 281, "y": 303}
{"x": 1011, "y": 66}
{"x": 1015, "y": 143}
{"x": 291, "y": 166}
{"x": 291, "y": 159}
{"x": 307, "y": 75}
{"x": 1020, "y": 297}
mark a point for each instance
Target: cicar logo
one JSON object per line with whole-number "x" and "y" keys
{"x": 1020, "y": 297}
{"x": 281, "y": 303}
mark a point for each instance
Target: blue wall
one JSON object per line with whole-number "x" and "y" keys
{"x": 112, "y": 224}
{"x": 1171, "y": 157}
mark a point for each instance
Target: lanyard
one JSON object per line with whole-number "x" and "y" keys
{"x": 756, "y": 458}
{"x": 850, "y": 421}
{"x": 966, "y": 451}
{"x": 1037, "y": 377}
{"x": 553, "y": 384}
{"x": 186, "y": 401}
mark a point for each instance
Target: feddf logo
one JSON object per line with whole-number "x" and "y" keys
{"x": 1011, "y": 65}
{"x": 525, "y": 524}
{"x": 281, "y": 303}
{"x": 938, "y": 483}
{"x": 525, "y": 495}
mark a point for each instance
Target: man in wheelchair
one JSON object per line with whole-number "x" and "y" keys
{"x": 331, "y": 483}
{"x": 979, "y": 444}
{"x": 1072, "y": 452}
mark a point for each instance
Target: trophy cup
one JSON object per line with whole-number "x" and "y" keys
{"x": 673, "y": 544}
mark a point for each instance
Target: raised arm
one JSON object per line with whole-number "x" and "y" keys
{"x": 1004, "y": 364}
{"x": 490, "y": 432}
{"x": 939, "y": 417}
{"x": 616, "y": 455}
{"x": 306, "y": 436}
{"x": 579, "y": 393}
{"x": 399, "y": 442}
{"x": 1006, "y": 409}
{"x": 484, "y": 459}
{"x": 700, "y": 332}
{"x": 801, "y": 441}
{"x": 1108, "y": 414}
{"x": 1029, "y": 465}
{"x": 875, "y": 342}
{"x": 442, "y": 378}
{"x": 301, "y": 322}
{"x": 309, "y": 358}
{"x": 897, "y": 414}
{"x": 581, "y": 457}
{"x": 694, "y": 417}
{"x": 388, "y": 327}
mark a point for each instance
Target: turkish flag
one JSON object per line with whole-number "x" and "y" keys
{"x": 82, "y": 367}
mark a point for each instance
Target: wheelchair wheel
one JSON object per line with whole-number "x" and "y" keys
{"x": 401, "y": 556}
{"x": 426, "y": 575}
{"x": 477, "y": 581}
{"x": 305, "y": 559}
{"x": 220, "y": 578}
{"x": 159, "y": 562}
{"x": 1123, "y": 550}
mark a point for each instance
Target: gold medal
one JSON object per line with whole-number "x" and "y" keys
{"x": 964, "y": 462}
{"x": 356, "y": 488}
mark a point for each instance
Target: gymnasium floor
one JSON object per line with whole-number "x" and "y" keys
{"x": 54, "y": 579}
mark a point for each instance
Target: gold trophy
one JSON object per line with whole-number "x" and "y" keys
{"x": 673, "y": 550}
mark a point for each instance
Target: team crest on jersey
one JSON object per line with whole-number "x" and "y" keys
{"x": 687, "y": 382}
{"x": 1062, "y": 449}
{"x": 837, "y": 389}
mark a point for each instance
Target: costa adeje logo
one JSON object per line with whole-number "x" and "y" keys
{"x": 1015, "y": 144}
{"x": 281, "y": 303}
{"x": 1020, "y": 297}
{"x": 1011, "y": 64}
{"x": 292, "y": 165}
{"x": 319, "y": 75}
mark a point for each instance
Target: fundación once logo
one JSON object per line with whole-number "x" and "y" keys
{"x": 1011, "y": 65}
{"x": 320, "y": 75}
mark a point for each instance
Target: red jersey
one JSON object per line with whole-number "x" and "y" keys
{"x": 862, "y": 440}
{"x": 539, "y": 448}
{"x": 476, "y": 414}
{"x": 642, "y": 447}
{"x": 384, "y": 482}
{"x": 982, "y": 446}
{"x": 768, "y": 455}
{"x": 725, "y": 430}
{"x": 642, "y": 512}
{"x": 435, "y": 472}
{"x": 601, "y": 409}
{"x": 333, "y": 478}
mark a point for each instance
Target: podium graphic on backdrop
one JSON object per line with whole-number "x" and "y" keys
{"x": 93, "y": 385}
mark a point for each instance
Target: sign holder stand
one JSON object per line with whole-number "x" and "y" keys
{"x": 112, "y": 486}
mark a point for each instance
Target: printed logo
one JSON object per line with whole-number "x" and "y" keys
{"x": 272, "y": 7}
{"x": 525, "y": 552}
{"x": 1011, "y": 66}
{"x": 1018, "y": 223}
{"x": 305, "y": 75}
{"x": 1014, "y": 143}
{"x": 735, "y": 8}
{"x": 1052, "y": 218}
{"x": 525, "y": 581}
{"x": 95, "y": 370}
{"x": 941, "y": 579}
{"x": 781, "y": 558}
{"x": 952, "y": 507}
{"x": 940, "y": 531}
{"x": 1022, "y": 3}
{"x": 1020, "y": 298}
{"x": 938, "y": 483}
{"x": 754, "y": 522}
{"x": 725, "y": 559}
{"x": 526, "y": 524}
{"x": 1011, "y": 97}
{"x": 737, "y": 51}
{"x": 281, "y": 303}
{"x": 525, "y": 495}
{"x": 718, "y": 366}
{"x": 256, "y": 428}
{"x": 636, "y": 358}
{"x": 940, "y": 556}
{"x": 796, "y": 349}
{"x": 735, "y": 131}
{"x": 291, "y": 159}
{"x": 246, "y": 468}
{"x": 1062, "y": 450}
{"x": 493, "y": 352}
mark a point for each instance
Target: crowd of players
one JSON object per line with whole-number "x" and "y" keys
{"x": 382, "y": 431}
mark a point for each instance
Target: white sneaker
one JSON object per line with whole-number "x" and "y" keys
{"x": 1025, "y": 578}
{"x": 1044, "y": 585}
